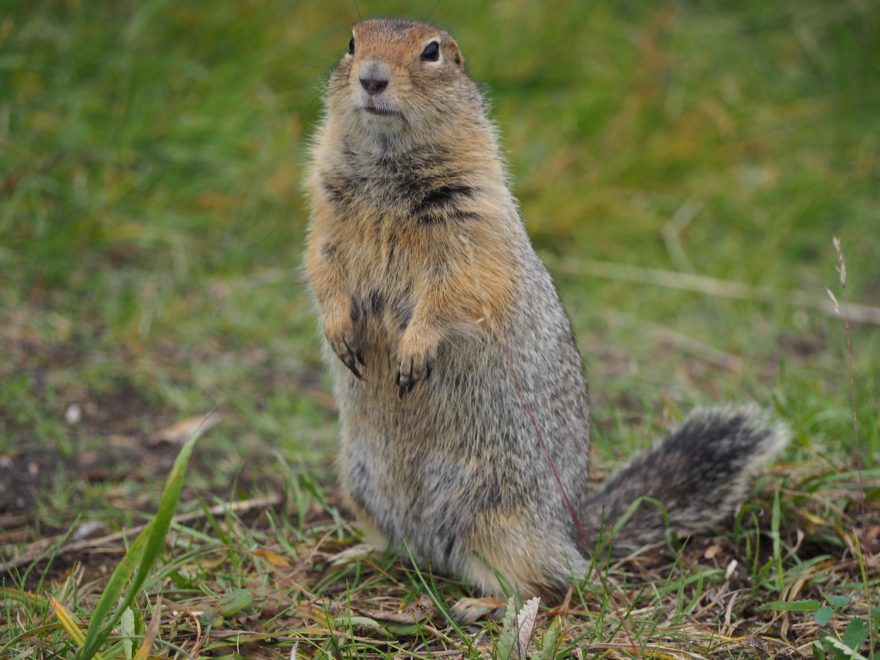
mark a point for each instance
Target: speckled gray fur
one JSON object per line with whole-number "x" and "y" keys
{"x": 452, "y": 464}
{"x": 483, "y": 452}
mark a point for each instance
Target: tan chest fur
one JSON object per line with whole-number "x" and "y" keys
{"x": 460, "y": 269}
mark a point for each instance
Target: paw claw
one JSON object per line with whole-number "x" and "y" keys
{"x": 348, "y": 361}
{"x": 348, "y": 349}
{"x": 414, "y": 367}
{"x": 405, "y": 383}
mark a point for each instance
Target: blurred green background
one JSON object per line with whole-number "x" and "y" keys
{"x": 152, "y": 223}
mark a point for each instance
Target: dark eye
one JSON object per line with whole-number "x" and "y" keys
{"x": 351, "y": 46}
{"x": 431, "y": 52}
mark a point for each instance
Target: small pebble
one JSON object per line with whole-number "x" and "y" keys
{"x": 73, "y": 414}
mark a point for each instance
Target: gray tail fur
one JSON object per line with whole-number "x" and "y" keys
{"x": 698, "y": 473}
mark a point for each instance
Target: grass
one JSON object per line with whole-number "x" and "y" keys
{"x": 151, "y": 227}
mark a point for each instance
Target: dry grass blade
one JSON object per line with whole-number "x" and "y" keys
{"x": 70, "y": 626}
{"x": 194, "y": 652}
{"x": 21, "y": 595}
{"x": 649, "y": 649}
{"x": 701, "y": 350}
{"x": 152, "y": 631}
{"x": 180, "y": 431}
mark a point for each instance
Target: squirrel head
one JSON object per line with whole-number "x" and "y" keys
{"x": 401, "y": 83}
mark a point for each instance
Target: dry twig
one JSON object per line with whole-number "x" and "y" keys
{"x": 858, "y": 313}
{"x": 40, "y": 549}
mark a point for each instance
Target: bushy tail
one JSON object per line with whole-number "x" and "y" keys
{"x": 698, "y": 473}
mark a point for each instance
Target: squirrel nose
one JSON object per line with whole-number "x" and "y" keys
{"x": 374, "y": 77}
{"x": 374, "y": 85}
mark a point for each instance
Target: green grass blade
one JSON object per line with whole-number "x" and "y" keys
{"x": 808, "y": 605}
{"x": 631, "y": 511}
{"x": 438, "y": 602}
{"x": 137, "y": 562}
{"x": 121, "y": 575}
{"x": 128, "y": 633}
{"x": 777, "y": 540}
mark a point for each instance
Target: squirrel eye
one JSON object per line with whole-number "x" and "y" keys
{"x": 351, "y": 46}
{"x": 431, "y": 52}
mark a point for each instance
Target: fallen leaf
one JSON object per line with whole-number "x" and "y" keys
{"x": 469, "y": 610}
{"x": 711, "y": 551}
{"x": 351, "y": 555}
{"x": 420, "y": 609}
{"x": 273, "y": 558}
{"x": 525, "y": 625}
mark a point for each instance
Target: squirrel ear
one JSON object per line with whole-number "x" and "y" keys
{"x": 456, "y": 55}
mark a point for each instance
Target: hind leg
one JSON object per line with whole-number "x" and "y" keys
{"x": 372, "y": 535}
{"x": 512, "y": 553}
{"x": 374, "y": 541}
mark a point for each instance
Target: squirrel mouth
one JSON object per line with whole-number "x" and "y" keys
{"x": 382, "y": 112}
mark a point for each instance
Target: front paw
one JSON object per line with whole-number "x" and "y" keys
{"x": 415, "y": 361}
{"x": 345, "y": 341}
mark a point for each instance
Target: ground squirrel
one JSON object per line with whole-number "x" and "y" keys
{"x": 451, "y": 353}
